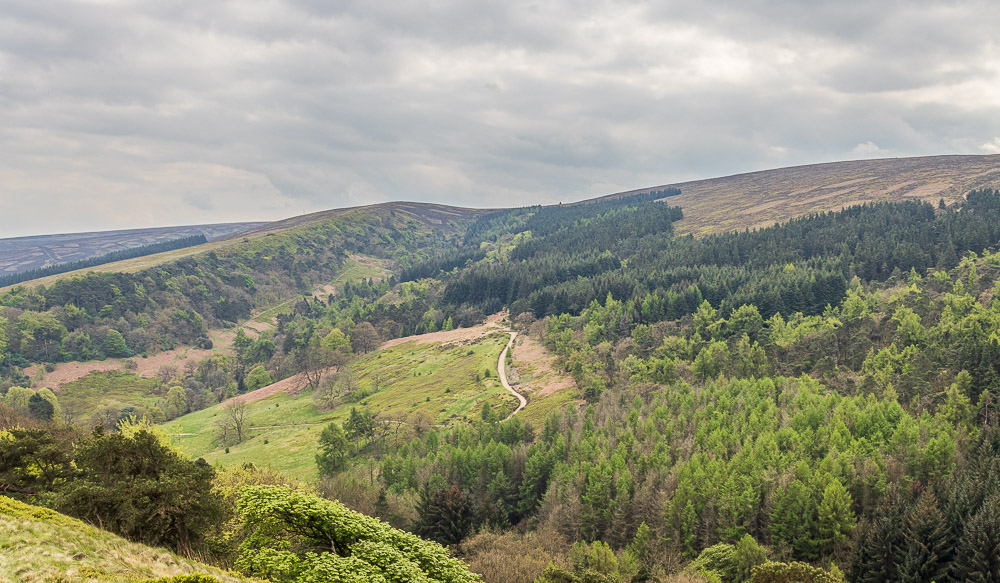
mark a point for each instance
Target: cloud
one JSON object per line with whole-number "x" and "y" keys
{"x": 869, "y": 150}
{"x": 991, "y": 147}
{"x": 120, "y": 114}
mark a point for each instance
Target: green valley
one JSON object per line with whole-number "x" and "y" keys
{"x": 813, "y": 400}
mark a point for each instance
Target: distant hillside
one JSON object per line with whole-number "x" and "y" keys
{"x": 439, "y": 218}
{"x": 760, "y": 199}
{"x": 19, "y": 254}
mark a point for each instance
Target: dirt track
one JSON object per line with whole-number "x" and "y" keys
{"x": 502, "y": 373}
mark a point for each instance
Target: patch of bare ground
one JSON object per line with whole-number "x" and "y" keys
{"x": 148, "y": 367}
{"x": 490, "y": 326}
{"x": 533, "y": 360}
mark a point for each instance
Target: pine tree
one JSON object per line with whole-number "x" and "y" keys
{"x": 929, "y": 543}
{"x": 978, "y": 559}
{"x": 793, "y": 520}
{"x": 836, "y": 520}
{"x": 445, "y": 515}
{"x": 881, "y": 542}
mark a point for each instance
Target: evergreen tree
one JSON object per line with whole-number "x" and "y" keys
{"x": 978, "y": 557}
{"x": 836, "y": 519}
{"x": 39, "y": 408}
{"x": 445, "y": 515}
{"x": 882, "y": 542}
{"x": 929, "y": 543}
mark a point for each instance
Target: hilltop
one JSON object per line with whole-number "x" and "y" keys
{"x": 18, "y": 254}
{"x": 712, "y": 205}
{"x": 760, "y": 199}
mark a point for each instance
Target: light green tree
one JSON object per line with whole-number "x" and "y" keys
{"x": 258, "y": 377}
{"x": 836, "y": 519}
{"x": 176, "y": 402}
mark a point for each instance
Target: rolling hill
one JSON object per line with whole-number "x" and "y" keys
{"x": 18, "y": 254}
{"x": 760, "y": 199}
{"x": 713, "y": 205}
{"x": 421, "y": 218}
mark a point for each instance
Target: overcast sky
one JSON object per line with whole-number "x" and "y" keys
{"x": 118, "y": 114}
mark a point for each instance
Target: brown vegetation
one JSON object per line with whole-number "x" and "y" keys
{"x": 512, "y": 557}
{"x": 759, "y": 199}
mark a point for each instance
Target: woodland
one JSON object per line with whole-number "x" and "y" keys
{"x": 811, "y": 401}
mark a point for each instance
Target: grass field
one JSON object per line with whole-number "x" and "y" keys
{"x": 447, "y": 382}
{"x": 39, "y": 545}
{"x": 80, "y": 399}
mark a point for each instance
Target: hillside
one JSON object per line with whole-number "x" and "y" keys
{"x": 713, "y": 205}
{"x": 795, "y": 394}
{"x": 19, "y": 254}
{"x": 760, "y": 199}
{"x": 39, "y": 545}
{"x": 420, "y": 217}
{"x": 441, "y": 379}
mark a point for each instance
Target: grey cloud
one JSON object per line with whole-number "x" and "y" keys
{"x": 240, "y": 110}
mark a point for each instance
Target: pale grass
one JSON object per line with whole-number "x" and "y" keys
{"x": 57, "y": 548}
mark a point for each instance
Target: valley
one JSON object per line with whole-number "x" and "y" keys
{"x": 805, "y": 390}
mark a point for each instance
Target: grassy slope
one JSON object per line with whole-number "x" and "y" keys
{"x": 759, "y": 199}
{"x": 100, "y": 389}
{"x": 90, "y": 393}
{"x": 428, "y": 214}
{"x": 37, "y": 544}
{"x": 438, "y": 379}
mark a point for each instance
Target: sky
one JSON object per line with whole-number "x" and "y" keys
{"x": 126, "y": 114}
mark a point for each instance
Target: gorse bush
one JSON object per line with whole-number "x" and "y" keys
{"x": 299, "y": 537}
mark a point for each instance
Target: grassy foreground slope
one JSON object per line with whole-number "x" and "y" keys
{"x": 38, "y": 544}
{"x": 760, "y": 199}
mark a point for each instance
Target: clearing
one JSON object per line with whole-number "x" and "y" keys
{"x": 439, "y": 383}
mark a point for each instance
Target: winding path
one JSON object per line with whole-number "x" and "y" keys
{"x": 502, "y": 373}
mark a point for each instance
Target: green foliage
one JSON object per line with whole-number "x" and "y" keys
{"x": 772, "y": 572}
{"x": 334, "y": 450}
{"x": 257, "y": 377}
{"x": 17, "y": 398}
{"x": 40, "y": 408}
{"x": 747, "y": 555}
{"x": 835, "y": 518}
{"x": 114, "y": 345}
{"x": 293, "y": 536}
{"x": 719, "y": 559}
{"x": 445, "y": 515}
{"x": 34, "y": 462}
{"x": 978, "y": 556}
{"x": 141, "y": 489}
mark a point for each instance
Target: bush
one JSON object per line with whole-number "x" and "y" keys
{"x": 141, "y": 489}
{"x": 294, "y": 536}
